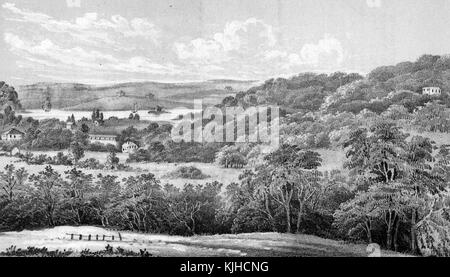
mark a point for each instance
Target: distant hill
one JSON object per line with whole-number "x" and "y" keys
{"x": 73, "y": 96}
{"x": 399, "y": 84}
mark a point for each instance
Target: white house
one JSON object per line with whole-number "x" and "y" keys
{"x": 71, "y": 126}
{"x": 103, "y": 139}
{"x": 432, "y": 91}
{"x": 129, "y": 147}
{"x": 13, "y": 135}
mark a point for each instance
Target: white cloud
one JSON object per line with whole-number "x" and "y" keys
{"x": 374, "y": 3}
{"x": 237, "y": 38}
{"x": 327, "y": 48}
{"x": 94, "y": 47}
{"x": 47, "y": 53}
{"x": 89, "y": 27}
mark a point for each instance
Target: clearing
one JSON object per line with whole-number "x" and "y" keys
{"x": 240, "y": 245}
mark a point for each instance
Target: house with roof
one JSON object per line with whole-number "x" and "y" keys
{"x": 104, "y": 139}
{"x": 71, "y": 126}
{"x": 129, "y": 147}
{"x": 13, "y": 134}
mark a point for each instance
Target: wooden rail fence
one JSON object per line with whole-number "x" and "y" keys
{"x": 96, "y": 237}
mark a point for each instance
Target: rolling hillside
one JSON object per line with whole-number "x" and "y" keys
{"x": 72, "y": 96}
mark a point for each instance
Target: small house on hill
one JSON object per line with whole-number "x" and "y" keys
{"x": 129, "y": 147}
{"x": 13, "y": 134}
{"x": 71, "y": 126}
{"x": 104, "y": 139}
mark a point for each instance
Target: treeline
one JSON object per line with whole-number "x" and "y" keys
{"x": 137, "y": 203}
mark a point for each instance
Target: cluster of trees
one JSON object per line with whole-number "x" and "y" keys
{"x": 398, "y": 183}
{"x": 324, "y": 130}
{"x": 233, "y": 156}
{"x": 9, "y": 102}
{"x": 137, "y": 203}
{"x": 187, "y": 172}
{"x": 134, "y": 116}
{"x": 304, "y": 91}
{"x": 97, "y": 116}
{"x": 172, "y": 152}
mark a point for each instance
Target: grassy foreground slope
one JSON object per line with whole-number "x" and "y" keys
{"x": 244, "y": 245}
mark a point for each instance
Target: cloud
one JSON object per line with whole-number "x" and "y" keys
{"x": 94, "y": 47}
{"x": 252, "y": 46}
{"x": 238, "y": 38}
{"x": 374, "y": 3}
{"x": 47, "y": 53}
{"x": 89, "y": 27}
{"x": 327, "y": 48}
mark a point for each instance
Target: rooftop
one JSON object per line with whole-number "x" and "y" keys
{"x": 103, "y": 135}
{"x": 14, "y": 131}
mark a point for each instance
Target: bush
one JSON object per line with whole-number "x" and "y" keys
{"x": 98, "y": 147}
{"x": 187, "y": 172}
{"x": 90, "y": 163}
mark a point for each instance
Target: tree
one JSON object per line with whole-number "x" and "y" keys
{"x": 47, "y": 190}
{"x": 254, "y": 194}
{"x": 77, "y": 192}
{"x": 398, "y": 173}
{"x": 355, "y": 215}
{"x": 231, "y": 156}
{"x": 107, "y": 195}
{"x": 141, "y": 201}
{"x": 81, "y": 137}
{"x": 289, "y": 166}
{"x": 112, "y": 161}
{"x": 377, "y": 155}
{"x": 77, "y": 151}
{"x": 84, "y": 128}
{"x": 185, "y": 205}
{"x": 420, "y": 182}
{"x": 12, "y": 181}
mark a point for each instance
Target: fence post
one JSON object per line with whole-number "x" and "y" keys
{"x": 71, "y": 236}
{"x": 89, "y": 237}
{"x": 103, "y": 237}
{"x": 120, "y": 237}
{"x": 81, "y": 237}
{"x": 96, "y": 237}
{"x": 112, "y": 237}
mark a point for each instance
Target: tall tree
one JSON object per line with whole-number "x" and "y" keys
{"x": 47, "y": 190}
{"x": 78, "y": 191}
{"x": 12, "y": 181}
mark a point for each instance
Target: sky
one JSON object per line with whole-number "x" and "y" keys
{"x": 113, "y": 41}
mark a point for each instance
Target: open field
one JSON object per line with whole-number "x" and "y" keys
{"x": 160, "y": 170}
{"x": 248, "y": 245}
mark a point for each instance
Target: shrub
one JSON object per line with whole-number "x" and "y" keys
{"x": 187, "y": 172}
